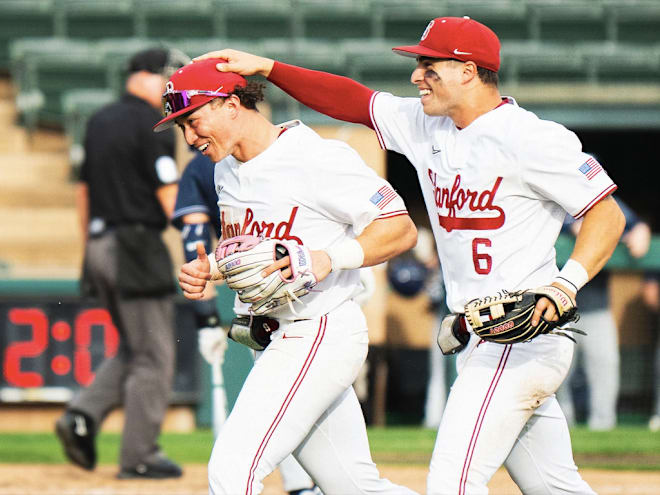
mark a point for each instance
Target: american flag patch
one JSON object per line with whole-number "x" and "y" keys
{"x": 590, "y": 168}
{"x": 383, "y": 197}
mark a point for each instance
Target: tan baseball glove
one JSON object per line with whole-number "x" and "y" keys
{"x": 241, "y": 260}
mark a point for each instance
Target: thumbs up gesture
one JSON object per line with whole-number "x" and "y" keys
{"x": 195, "y": 274}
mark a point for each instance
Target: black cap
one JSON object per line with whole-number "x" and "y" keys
{"x": 158, "y": 61}
{"x": 152, "y": 60}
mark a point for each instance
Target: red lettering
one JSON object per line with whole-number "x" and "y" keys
{"x": 253, "y": 227}
{"x": 286, "y": 233}
{"x": 249, "y": 215}
{"x": 267, "y": 228}
{"x": 456, "y": 197}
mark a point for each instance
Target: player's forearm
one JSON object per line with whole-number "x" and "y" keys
{"x": 384, "y": 239}
{"x": 599, "y": 235}
{"x": 336, "y": 96}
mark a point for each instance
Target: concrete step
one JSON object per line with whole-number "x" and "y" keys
{"x": 29, "y": 195}
{"x": 13, "y": 139}
{"x": 38, "y": 167}
{"x": 40, "y": 237}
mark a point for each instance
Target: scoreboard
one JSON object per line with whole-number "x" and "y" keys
{"x": 50, "y": 346}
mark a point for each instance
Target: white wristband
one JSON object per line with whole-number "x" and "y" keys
{"x": 573, "y": 275}
{"x": 215, "y": 273}
{"x": 346, "y": 255}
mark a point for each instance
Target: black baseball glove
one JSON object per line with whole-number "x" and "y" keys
{"x": 507, "y": 317}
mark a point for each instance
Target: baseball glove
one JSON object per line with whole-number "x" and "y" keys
{"x": 507, "y": 317}
{"x": 241, "y": 260}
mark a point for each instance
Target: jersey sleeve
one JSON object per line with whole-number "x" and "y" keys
{"x": 190, "y": 195}
{"x": 158, "y": 156}
{"x": 400, "y": 124}
{"x": 348, "y": 191}
{"x": 555, "y": 167}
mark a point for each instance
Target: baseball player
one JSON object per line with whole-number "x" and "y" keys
{"x": 496, "y": 182}
{"x": 196, "y": 214}
{"x": 285, "y": 182}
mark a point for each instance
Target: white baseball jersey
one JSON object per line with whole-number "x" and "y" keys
{"x": 498, "y": 190}
{"x": 298, "y": 397}
{"x": 317, "y": 192}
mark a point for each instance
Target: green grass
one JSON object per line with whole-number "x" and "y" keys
{"x": 628, "y": 447}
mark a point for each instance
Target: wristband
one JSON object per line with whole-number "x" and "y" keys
{"x": 573, "y": 275}
{"x": 215, "y": 273}
{"x": 346, "y": 255}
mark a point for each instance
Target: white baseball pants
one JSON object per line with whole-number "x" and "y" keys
{"x": 299, "y": 398}
{"x": 502, "y": 410}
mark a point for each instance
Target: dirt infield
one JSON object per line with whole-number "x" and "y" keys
{"x": 24, "y": 479}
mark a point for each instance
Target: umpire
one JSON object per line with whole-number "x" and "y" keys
{"x": 126, "y": 193}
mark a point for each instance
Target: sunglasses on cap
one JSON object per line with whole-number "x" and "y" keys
{"x": 176, "y": 100}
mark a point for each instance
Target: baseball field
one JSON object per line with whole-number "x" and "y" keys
{"x": 625, "y": 461}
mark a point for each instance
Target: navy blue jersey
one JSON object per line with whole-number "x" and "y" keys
{"x": 197, "y": 193}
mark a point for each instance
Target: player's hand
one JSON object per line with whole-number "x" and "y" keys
{"x": 321, "y": 266}
{"x": 194, "y": 275}
{"x": 239, "y": 62}
{"x": 544, "y": 307}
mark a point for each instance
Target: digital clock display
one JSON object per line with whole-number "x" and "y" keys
{"x": 50, "y": 346}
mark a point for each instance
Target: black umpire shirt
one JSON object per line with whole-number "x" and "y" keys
{"x": 126, "y": 162}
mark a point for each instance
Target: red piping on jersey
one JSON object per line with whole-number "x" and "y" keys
{"x": 285, "y": 405}
{"x": 336, "y": 96}
{"x": 610, "y": 189}
{"x": 374, "y": 125}
{"x": 391, "y": 214}
{"x": 480, "y": 418}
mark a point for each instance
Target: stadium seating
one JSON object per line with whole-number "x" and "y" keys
{"x": 635, "y": 21}
{"x": 396, "y": 20}
{"x": 508, "y": 18}
{"x": 85, "y": 43}
{"x": 95, "y": 19}
{"x": 337, "y": 20}
{"x": 257, "y": 19}
{"x": 24, "y": 18}
{"x": 617, "y": 62}
{"x": 174, "y": 19}
{"x": 47, "y": 67}
{"x": 533, "y": 61}
{"x": 578, "y": 20}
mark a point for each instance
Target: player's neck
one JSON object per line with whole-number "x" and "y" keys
{"x": 475, "y": 105}
{"x": 257, "y": 136}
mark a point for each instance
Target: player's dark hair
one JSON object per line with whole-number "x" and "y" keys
{"x": 488, "y": 76}
{"x": 251, "y": 94}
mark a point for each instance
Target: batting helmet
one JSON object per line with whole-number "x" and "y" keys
{"x": 407, "y": 276}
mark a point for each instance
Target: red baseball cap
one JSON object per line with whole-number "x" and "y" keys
{"x": 194, "y": 85}
{"x": 461, "y": 38}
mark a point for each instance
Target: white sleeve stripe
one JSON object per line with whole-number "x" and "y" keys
{"x": 390, "y": 214}
{"x": 379, "y": 135}
{"x": 189, "y": 209}
{"x": 609, "y": 189}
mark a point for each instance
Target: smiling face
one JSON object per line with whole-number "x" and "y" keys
{"x": 209, "y": 128}
{"x": 438, "y": 82}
